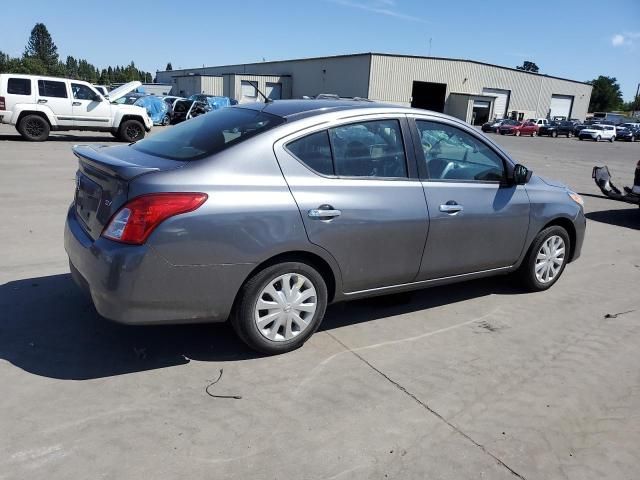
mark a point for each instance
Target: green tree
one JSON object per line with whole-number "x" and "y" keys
{"x": 528, "y": 66}
{"x": 169, "y": 67}
{"x": 41, "y": 47}
{"x": 72, "y": 67}
{"x": 606, "y": 94}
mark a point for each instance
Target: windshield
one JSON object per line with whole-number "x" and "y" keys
{"x": 208, "y": 134}
{"x": 595, "y": 127}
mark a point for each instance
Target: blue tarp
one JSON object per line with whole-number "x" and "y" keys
{"x": 156, "y": 108}
{"x": 217, "y": 103}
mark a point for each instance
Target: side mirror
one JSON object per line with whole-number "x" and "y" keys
{"x": 521, "y": 174}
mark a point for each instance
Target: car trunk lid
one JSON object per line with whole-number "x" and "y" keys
{"x": 102, "y": 181}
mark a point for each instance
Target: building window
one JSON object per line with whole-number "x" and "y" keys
{"x": 248, "y": 90}
{"x": 274, "y": 91}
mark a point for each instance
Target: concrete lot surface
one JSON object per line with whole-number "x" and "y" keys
{"x": 472, "y": 381}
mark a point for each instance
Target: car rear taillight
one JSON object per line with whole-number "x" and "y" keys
{"x": 3, "y": 104}
{"x": 135, "y": 221}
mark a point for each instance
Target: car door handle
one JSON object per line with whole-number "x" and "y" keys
{"x": 42, "y": 100}
{"x": 451, "y": 208}
{"x": 76, "y": 104}
{"x": 323, "y": 213}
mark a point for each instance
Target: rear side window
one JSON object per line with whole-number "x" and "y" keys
{"x": 19, "y": 86}
{"x": 314, "y": 151}
{"x": 50, "y": 88}
{"x": 208, "y": 134}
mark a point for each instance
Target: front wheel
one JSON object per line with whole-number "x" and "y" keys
{"x": 546, "y": 259}
{"x": 279, "y": 308}
{"x": 533, "y": 134}
{"x": 34, "y": 128}
{"x": 569, "y": 135}
{"x": 598, "y": 138}
{"x": 131, "y": 131}
{"x": 517, "y": 134}
{"x": 612, "y": 139}
{"x": 555, "y": 134}
{"x": 166, "y": 120}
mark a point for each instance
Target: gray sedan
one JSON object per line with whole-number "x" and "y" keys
{"x": 263, "y": 214}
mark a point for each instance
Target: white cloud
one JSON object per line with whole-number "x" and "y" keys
{"x": 381, "y": 7}
{"x": 626, "y": 38}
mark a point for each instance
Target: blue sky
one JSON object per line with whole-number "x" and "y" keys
{"x": 573, "y": 39}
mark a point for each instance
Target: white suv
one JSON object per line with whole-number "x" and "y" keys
{"x": 36, "y": 105}
{"x": 540, "y": 122}
{"x": 598, "y": 132}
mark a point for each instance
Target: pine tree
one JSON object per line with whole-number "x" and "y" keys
{"x": 169, "y": 67}
{"x": 41, "y": 47}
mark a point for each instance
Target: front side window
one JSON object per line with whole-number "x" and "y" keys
{"x": 50, "y": 88}
{"x": 453, "y": 154}
{"x": 208, "y": 134}
{"x": 82, "y": 92}
{"x": 369, "y": 149}
{"x": 19, "y": 86}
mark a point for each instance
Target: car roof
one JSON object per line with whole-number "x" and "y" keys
{"x": 291, "y": 109}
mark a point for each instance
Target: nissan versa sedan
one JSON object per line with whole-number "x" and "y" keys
{"x": 263, "y": 214}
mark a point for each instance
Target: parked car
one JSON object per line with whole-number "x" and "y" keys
{"x": 539, "y": 121}
{"x": 519, "y": 128}
{"x": 102, "y": 89}
{"x": 578, "y": 128}
{"x": 629, "y": 132}
{"x": 553, "y": 129}
{"x": 265, "y": 213}
{"x": 495, "y": 125}
{"x": 37, "y": 105}
{"x": 598, "y": 132}
{"x": 186, "y": 109}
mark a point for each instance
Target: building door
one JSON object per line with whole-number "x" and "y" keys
{"x": 481, "y": 110}
{"x": 561, "y": 106}
{"x": 501, "y": 103}
{"x": 429, "y": 96}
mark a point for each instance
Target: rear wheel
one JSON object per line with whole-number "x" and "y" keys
{"x": 279, "y": 308}
{"x": 533, "y": 134}
{"x": 131, "y": 131}
{"x": 546, "y": 259}
{"x": 166, "y": 120}
{"x": 612, "y": 139}
{"x": 569, "y": 135}
{"x": 34, "y": 128}
{"x": 554, "y": 134}
{"x": 597, "y": 138}
{"x": 517, "y": 134}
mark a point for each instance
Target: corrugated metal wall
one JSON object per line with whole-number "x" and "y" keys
{"x": 191, "y": 84}
{"x": 392, "y": 77}
{"x": 346, "y": 76}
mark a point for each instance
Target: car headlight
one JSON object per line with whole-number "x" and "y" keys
{"x": 576, "y": 198}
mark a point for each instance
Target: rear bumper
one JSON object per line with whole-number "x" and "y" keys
{"x": 135, "y": 285}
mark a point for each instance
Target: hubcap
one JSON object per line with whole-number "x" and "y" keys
{"x": 550, "y": 259}
{"x": 285, "y": 307}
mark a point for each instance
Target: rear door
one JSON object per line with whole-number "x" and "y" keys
{"x": 477, "y": 222}
{"x": 54, "y": 96}
{"x": 357, "y": 189}
{"x": 87, "y": 111}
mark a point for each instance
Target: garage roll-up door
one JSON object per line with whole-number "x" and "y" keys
{"x": 561, "y": 106}
{"x": 500, "y": 103}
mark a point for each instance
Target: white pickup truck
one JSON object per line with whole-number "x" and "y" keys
{"x": 36, "y": 105}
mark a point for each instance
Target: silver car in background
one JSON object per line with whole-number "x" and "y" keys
{"x": 265, "y": 213}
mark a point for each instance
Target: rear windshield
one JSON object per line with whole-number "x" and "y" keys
{"x": 208, "y": 134}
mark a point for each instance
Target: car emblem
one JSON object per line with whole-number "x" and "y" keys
{"x": 107, "y": 203}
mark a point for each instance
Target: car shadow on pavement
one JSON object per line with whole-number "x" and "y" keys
{"x": 628, "y": 217}
{"x": 57, "y": 137}
{"x": 48, "y": 327}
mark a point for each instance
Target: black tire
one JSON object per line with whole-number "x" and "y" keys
{"x": 612, "y": 139}
{"x": 569, "y": 134}
{"x": 597, "y": 139}
{"x": 242, "y": 317}
{"x": 34, "y": 128}
{"x": 166, "y": 120}
{"x": 527, "y": 271}
{"x": 131, "y": 131}
{"x": 555, "y": 134}
{"x": 580, "y": 138}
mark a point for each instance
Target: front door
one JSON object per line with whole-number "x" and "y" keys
{"x": 360, "y": 199}
{"x": 53, "y": 97}
{"x": 476, "y": 222}
{"x": 89, "y": 108}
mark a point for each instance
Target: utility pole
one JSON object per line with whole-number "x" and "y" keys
{"x": 635, "y": 100}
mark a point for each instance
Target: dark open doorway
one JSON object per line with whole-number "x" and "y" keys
{"x": 480, "y": 112}
{"x": 429, "y": 96}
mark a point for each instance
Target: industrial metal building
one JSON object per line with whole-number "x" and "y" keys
{"x": 472, "y": 91}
